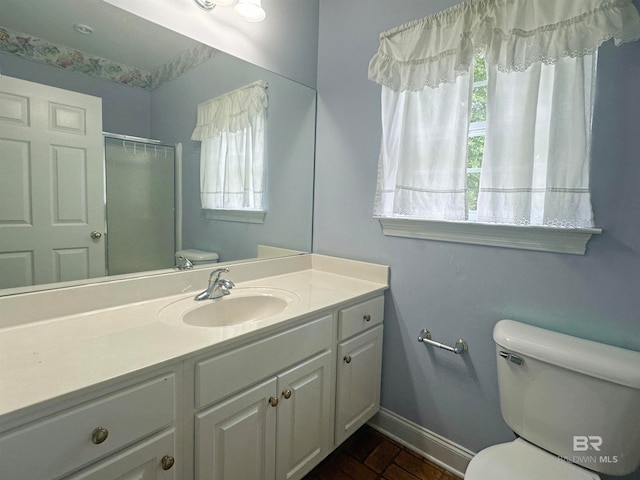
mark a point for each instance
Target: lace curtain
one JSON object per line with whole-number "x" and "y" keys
{"x": 410, "y": 183}
{"x": 535, "y": 167}
{"x": 540, "y": 65}
{"x": 233, "y": 154}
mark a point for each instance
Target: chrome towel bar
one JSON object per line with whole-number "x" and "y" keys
{"x": 460, "y": 346}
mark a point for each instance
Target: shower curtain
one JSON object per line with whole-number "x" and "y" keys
{"x": 140, "y": 204}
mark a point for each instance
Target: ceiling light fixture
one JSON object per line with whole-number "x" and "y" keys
{"x": 249, "y": 10}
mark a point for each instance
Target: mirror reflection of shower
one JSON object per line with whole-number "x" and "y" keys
{"x": 142, "y": 183}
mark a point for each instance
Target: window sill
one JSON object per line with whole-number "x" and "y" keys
{"x": 244, "y": 216}
{"x": 545, "y": 239}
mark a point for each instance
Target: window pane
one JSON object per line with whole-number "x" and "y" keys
{"x": 479, "y": 93}
{"x": 479, "y": 104}
{"x": 479, "y": 70}
{"x": 475, "y": 147}
{"x": 473, "y": 187}
{"x": 474, "y": 152}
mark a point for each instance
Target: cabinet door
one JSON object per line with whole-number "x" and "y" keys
{"x": 304, "y": 430}
{"x": 235, "y": 439}
{"x": 63, "y": 442}
{"x": 152, "y": 459}
{"x": 358, "y": 382}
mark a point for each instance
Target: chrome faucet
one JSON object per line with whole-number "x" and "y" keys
{"x": 183, "y": 263}
{"x": 218, "y": 287}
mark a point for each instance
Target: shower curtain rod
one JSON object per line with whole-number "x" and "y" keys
{"x": 131, "y": 138}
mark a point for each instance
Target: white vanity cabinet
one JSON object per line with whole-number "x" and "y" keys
{"x": 272, "y": 410}
{"x": 277, "y": 421}
{"x": 152, "y": 459}
{"x": 127, "y": 433}
{"x": 95, "y": 389}
{"x": 359, "y": 361}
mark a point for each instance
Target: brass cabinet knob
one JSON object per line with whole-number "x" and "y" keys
{"x": 99, "y": 435}
{"x": 167, "y": 462}
{"x": 273, "y": 401}
{"x": 286, "y": 393}
{"x": 367, "y": 318}
{"x": 347, "y": 358}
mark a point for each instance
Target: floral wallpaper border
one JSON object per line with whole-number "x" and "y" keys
{"x": 180, "y": 65}
{"x": 42, "y": 51}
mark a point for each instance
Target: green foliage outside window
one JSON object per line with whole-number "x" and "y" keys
{"x": 479, "y": 93}
{"x": 474, "y": 160}
{"x": 475, "y": 146}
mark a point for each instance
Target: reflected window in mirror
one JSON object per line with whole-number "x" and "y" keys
{"x": 231, "y": 129}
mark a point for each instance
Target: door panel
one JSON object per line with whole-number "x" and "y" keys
{"x": 51, "y": 184}
{"x": 304, "y": 417}
{"x": 235, "y": 439}
{"x": 358, "y": 382}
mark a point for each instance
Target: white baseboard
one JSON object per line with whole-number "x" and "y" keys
{"x": 426, "y": 443}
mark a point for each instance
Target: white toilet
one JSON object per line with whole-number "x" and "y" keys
{"x": 574, "y": 404}
{"x": 198, "y": 257}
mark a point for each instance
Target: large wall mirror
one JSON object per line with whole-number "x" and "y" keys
{"x": 149, "y": 81}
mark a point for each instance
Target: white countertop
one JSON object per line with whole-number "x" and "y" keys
{"x": 43, "y": 360}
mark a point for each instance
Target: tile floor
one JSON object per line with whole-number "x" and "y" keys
{"x": 368, "y": 455}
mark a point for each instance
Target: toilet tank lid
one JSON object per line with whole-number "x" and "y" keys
{"x": 613, "y": 364}
{"x": 196, "y": 255}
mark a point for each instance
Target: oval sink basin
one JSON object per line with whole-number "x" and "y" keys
{"x": 241, "y": 306}
{"x": 232, "y": 310}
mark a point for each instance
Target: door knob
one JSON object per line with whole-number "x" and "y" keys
{"x": 95, "y": 235}
{"x": 167, "y": 462}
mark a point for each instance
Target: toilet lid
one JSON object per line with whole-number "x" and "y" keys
{"x": 197, "y": 255}
{"x": 520, "y": 460}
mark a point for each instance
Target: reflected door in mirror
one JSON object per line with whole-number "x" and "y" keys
{"x": 51, "y": 184}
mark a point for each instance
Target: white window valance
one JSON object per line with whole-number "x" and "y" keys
{"x": 231, "y": 112}
{"x": 514, "y": 34}
{"x": 232, "y": 129}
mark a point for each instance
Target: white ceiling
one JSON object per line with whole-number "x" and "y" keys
{"x": 117, "y": 35}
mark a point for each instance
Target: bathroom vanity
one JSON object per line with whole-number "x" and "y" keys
{"x": 126, "y": 379}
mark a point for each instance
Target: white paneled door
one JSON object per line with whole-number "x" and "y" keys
{"x": 51, "y": 185}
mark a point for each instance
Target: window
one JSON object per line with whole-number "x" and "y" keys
{"x": 493, "y": 150}
{"x": 477, "y": 133}
{"x": 231, "y": 128}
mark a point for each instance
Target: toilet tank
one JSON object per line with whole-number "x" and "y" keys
{"x": 198, "y": 257}
{"x": 575, "y": 398}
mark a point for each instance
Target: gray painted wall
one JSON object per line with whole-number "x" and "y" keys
{"x": 290, "y": 145}
{"x": 460, "y": 290}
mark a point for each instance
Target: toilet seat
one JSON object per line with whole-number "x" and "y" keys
{"x": 520, "y": 460}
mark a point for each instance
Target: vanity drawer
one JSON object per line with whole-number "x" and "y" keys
{"x": 360, "y": 317}
{"x": 225, "y": 374}
{"x": 67, "y": 441}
